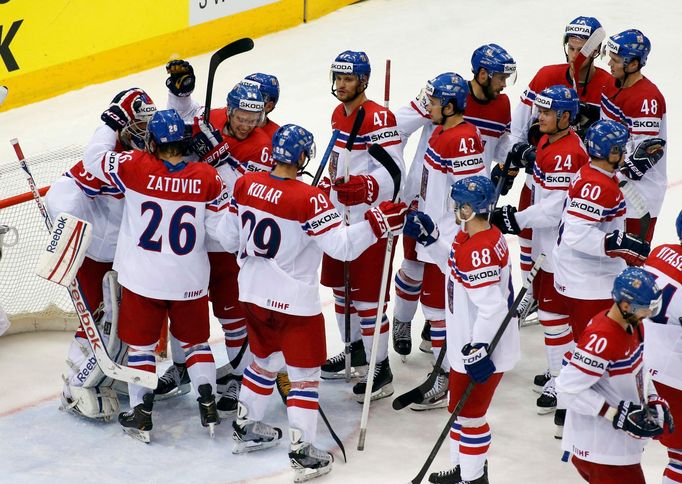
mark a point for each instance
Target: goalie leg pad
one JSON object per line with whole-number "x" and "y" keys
{"x": 65, "y": 251}
{"x": 97, "y": 403}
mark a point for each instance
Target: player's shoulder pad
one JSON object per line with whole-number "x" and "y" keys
{"x": 320, "y": 214}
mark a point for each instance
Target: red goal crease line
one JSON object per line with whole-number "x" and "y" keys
{"x": 24, "y": 197}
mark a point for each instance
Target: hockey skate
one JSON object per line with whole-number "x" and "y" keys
{"x": 559, "y": 419}
{"x": 546, "y": 402}
{"x": 453, "y": 476}
{"x": 540, "y": 381}
{"x": 402, "y": 338}
{"x": 207, "y": 408}
{"x": 425, "y": 344}
{"x": 251, "y": 435}
{"x": 227, "y": 404}
{"x": 437, "y": 396}
{"x": 527, "y": 312}
{"x": 173, "y": 383}
{"x": 307, "y": 460}
{"x": 334, "y": 368}
{"x": 137, "y": 422}
{"x": 382, "y": 386}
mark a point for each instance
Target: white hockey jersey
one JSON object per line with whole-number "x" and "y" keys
{"x": 663, "y": 348}
{"x": 280, "y": 227}
{"x": 606, "y": 367}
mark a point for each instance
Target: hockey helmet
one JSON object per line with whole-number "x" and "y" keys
{"x": 560, "y": 99}
{"x": 605, "y": 136}
{"x": 637, "y": 287}
{"x": 630, "y": 44}
{"x": 449, "y": 87}
{"x": 267, "y": 84}
{"x": 289, "y": 141}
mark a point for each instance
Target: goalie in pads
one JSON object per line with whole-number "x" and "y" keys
{"x": 610, "y": 411}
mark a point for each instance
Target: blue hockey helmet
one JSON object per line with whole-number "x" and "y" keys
{"x": 560, "y": 99}
{"x": 246, "y": 98}
{"x": 351, "y": 62}
{"x": 476, "y": 191}
{"x": 638, "y": 287}
{"x": 449, "y": 87}
{"x": 267, "y": 84}
{"x": 630, "y": 44}
{"x": 605, "y": 137}
{"x": 494, "y": 59}
{"x": 678, "y": 225}
{"x": 581, "y": 27}
{"x": 289, "y": 141}
{"x": 165, "y": 127}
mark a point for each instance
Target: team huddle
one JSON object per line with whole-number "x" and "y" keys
{"x": 190, "y": 209}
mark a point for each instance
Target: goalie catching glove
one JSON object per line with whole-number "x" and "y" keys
{"x": 65, "y": 251}
{"x": 181, "y": 78}
{"x": 387, "y": 217}
{"x": 646, "y": 155}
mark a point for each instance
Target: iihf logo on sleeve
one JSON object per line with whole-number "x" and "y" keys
{"x": 271, "y": 303}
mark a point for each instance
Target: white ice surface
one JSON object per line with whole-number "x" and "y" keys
{"x": 423, "y": 38}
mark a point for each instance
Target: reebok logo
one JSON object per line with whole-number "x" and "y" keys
{"x": 56, "y": 235}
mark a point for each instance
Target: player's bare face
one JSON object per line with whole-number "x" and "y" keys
{"x": 547, "y": 120}
{"x": 434, "y": 108}
{"x": 243, "y": 122}
{"x": 616, "y": 65}
{"x": 347, "y": 87}
{"x": 573, "y": 47}
{"x": 497, "y": 84}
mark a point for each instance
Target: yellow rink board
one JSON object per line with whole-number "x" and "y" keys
{"x": 48, "y": 47}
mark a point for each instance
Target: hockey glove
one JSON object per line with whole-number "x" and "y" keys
{"x": 496, "y": 174}
{"x": 626, "y": 246}
{"x": 646, "y": 155}
{"x": 358, "y": 189}
{"x": 523, "y": 156}
{"x": 325, "y": 185}
{"x": 588, "y": 114}
{"x": 387, "y": 217}
{"x": 120, "y": 112}
{"x": 181, "y": 78}
{"x": 659, "y": 410}
{"x": 635, "y": 420}
{"x": 420, "y": 227}
{"x": 477, "y": 362}
{"x": 504, "y": 218}
{"x": 207, "y": 143}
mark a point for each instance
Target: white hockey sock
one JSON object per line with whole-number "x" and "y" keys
{"x": 258, "y": 383}
{"x": 339, "y": 303}
{"x": 526, "y": 257}
{"x": 455, "y": 435}
{"x": 177, "y": 353}
{"x": 303, "y": 400}
{"x": 200, "y": 365}
{"x": 673, "y": 471}
{"x": 235, "y": 337}
{"x": 558, "y": 339}
{"x": 408, "y": 286}
{"x": 473, "y": 447}
{"x": 368, "y": 316}
{"x": 140, "y": 358}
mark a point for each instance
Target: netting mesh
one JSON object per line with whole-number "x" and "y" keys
{"x": 23, "y": 295}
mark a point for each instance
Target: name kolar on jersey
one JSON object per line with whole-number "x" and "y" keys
{"x": 264, "y": 192}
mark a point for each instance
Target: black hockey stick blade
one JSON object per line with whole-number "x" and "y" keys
{"x": 416, "y": 395}
{"x": 230, "y": 50}
{"x": 381, "y": 155}
{"x": 357, "y": 124}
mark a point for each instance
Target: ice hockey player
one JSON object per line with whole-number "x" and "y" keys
{"x": 161, "y": 259}
{"x": 369, "y": 183}
{"x": 280, "y": 226}
{"x": 268, "y": 85}
{"x": 488, "y": 109}
{"x": 560, "y": 154}
{"x": 633, "y": 100}
{"x": 478, "y": 293}
{"x": 661, "y": 349}
{"x": 234, "y": 144}
{"x": 454, "y": 151}
{"x": 611, "y": 405}
{"x": 87, "y": 392}
{"x": 589, "y": 83}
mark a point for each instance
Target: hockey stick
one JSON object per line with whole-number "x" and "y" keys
{"x": 357, "y": 124}
{"x": 379, "y": 154}
{"x": 325, "y": 158}
{"x": 387, "y": 83}
{"x": 592, "y": 43}
{"x": 465, "y": 396}
{"x": 87, "y": 321}
{"x": 237, "y": 47}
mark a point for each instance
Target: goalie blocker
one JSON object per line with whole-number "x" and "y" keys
{"x": 65, "y": 250}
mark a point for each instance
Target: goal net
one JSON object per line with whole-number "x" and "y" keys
{"x": 32, "y": 303}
